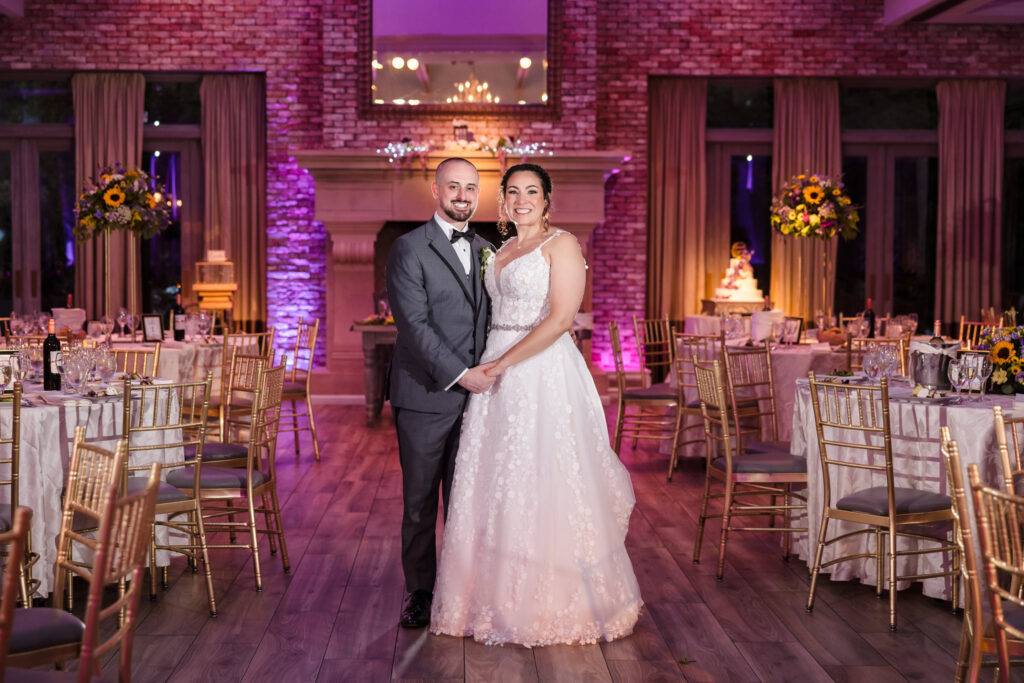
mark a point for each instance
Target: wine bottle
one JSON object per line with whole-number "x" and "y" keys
{"x": 869, "y": 316}
{"x": 51, "y": 358}
{"x": 179, "y": 318}
{"x": 69, "y": 302}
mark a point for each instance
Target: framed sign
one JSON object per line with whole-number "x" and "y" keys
{"x": 152, "y": 328}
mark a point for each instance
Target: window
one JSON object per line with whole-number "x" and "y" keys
{"x": 40, "y": 101}
{"x": 172, "y": 102}
{"x": 888, "y": 108}
{"x": 740, "y": 106}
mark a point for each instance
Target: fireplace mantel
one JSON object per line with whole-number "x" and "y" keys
{"x": 358, "y": 191}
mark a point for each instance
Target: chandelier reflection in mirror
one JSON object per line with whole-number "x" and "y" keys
{"x": 459, "y": 52}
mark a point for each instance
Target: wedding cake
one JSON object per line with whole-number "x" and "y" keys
{"x": 739, "y": 284}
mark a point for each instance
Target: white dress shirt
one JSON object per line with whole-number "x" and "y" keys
{"x": 462, "y": 248}
{"x": 464, "y": 251}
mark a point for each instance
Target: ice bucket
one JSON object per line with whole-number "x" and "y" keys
{"x": 929, "y": 363}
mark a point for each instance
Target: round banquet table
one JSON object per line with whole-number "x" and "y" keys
{"x": 917, "y": 462}
{"x": 48, "y": 421}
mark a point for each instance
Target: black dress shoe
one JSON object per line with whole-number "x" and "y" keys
{"x": 416, "y": 613}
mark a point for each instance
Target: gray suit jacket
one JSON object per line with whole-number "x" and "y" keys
{"x": 441, "y": 315}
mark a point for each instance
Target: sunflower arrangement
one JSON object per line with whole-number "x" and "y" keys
{"x": 1007, "y": 353}
{"x": 122, "y": 200}
{"x": 814, "y": 206}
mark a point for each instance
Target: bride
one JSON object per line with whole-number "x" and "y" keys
{"x": 533, "y": 550}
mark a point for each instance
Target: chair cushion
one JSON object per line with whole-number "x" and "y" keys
{"x": 766, "y": 446}
{"x": 165, "y": 494}
{"x": 658, "y": 391}
{"x": 764, "y": 463}
{"x": 217, "y": 450}
{"x": 40, "y": 627}
{"x": 214, "y": 477}
{"x": 875, "y": 501}
{"x": 294, "y": 389}
{"x": 1013, "y": 615}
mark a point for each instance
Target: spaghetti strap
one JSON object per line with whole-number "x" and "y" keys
{"x": 558, "y": 232}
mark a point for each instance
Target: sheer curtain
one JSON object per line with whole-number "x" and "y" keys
{"x": 108, "y": 129}
{"x": 676, "y": 196}
{"x": 806, "y": 140}
{"x": 235, "y": 165}
{"x": 968, "y": 276}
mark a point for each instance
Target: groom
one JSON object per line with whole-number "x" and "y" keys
{"x": 440, "y": 309}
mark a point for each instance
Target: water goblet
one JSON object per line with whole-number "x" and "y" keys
{"x": 872, "y": 364}
{"x": 123, "y": 318}
{"x": 22, "y": 366}
{"x": 984, "y": 372}
{"x": 106, "y": 366}
{"x": 205, "y": 322}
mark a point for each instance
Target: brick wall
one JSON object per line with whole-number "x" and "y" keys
{"x": 607, "y": 50}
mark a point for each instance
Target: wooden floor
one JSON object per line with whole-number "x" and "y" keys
{"x": 335, "y": 616}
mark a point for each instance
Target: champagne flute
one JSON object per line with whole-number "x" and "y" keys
{"x": 970, "y": 366}
{"x": 984, "y": 372}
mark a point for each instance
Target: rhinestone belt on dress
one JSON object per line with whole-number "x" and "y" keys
{"x": 512, "y": 328}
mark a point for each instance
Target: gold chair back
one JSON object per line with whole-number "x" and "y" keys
{"x": 142, "y": 362}
{"x": 973, "y": 630}
{"x": 703, "y": 347}
{"x": 751, "y": 391}
{"x": 298, "y": 388}
{"x": 620, "y": 368}
{"x": 13, "y": 541}
{"x": 10, "y": 445}
{"x": 120, "y": 555}
{"x": 856, "y": 347}
{"x": 714, "y": 410}
{"x": 1010, "y": 455}
{"x": 656, "y": 348}
{"x": 971, "y": 332}
{"x": 999, "y": 518}
{"x": 305, "y": 350}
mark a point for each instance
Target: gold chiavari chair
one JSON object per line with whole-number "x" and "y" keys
{"x": 50, "y": 635}
{"x": 257, "y": 479}
{"x": 1010, "y": 455}
{"x": 856, "y": 347}
{"x": 999, "y": 517}
{"x": 13, "y": 542}
{"x": 750, "y": 387}
{"x": 10, "y": 465}
{"x": 142, "y": 362}
{"x": 92, "y": 470}
{"x": 243, "y": 380}
{"x": 971, "y": 332}
{"x": 297, "y": 388}
{"x": 252, "y": 344}
{"x": 743, "y": 475}
{"x": 150, "y": 413}
{"x": 854, "y": 418}
{"x": 656, "y": 416}
{"x": 656, "y": 348}
{"x": 5, "y": 327}
{"x": 976, "y": 636}
{"x": 703, "y": 347}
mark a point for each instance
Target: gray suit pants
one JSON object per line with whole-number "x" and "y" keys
{"x": 427, "y": 445}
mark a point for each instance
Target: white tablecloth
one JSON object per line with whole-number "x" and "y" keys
{"x": 47, "y": 432}
{"x": 917, "y": 462}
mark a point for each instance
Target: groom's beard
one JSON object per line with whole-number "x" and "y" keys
{"x": 458, "y": 215}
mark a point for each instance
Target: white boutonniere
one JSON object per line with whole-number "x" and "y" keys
{"x": 486, "y": 259}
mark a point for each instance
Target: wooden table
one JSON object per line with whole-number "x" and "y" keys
{"x": 377, "y": 343}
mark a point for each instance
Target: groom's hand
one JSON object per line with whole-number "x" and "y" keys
{"x": 476, "y": 379}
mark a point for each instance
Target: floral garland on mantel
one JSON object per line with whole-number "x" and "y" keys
{"x": 408, "y": 151}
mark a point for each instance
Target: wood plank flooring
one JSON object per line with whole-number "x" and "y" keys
{"x": 334, "y": 617}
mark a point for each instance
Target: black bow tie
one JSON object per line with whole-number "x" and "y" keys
{"x": 468, "y": 234}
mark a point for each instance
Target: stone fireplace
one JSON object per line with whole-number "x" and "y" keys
{"x": 357, "y": 192}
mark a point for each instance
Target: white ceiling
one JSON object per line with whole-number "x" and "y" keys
{"x": 953, "y": 12}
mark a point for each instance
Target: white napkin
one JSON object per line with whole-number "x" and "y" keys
{"x": 761, "y": 323}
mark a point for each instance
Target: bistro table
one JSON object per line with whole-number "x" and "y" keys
{"x": 48, "y": 421}
{"x": 377, "y": 343}
{"x": 917, "y": 462}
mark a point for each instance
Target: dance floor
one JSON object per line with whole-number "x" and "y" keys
{"x": 335, "y": 617}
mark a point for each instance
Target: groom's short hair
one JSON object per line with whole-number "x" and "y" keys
{"x": 451, "y": 160}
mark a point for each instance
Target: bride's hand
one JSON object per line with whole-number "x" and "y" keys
{"x": 494, "y": 368}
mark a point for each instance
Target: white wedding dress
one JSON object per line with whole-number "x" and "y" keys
{"x": 533, "y": 550}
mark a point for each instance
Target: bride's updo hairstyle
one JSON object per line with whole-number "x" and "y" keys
{"x": 545, "y": 184}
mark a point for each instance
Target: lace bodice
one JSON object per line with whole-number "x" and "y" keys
{"x": 519, "y": 289}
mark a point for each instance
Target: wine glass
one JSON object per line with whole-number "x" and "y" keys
{"x": 123, "y": 319}
{"x": 106, "y": 366}
{"x": 22, "y": 366}
{"x": 956, "y": 376}
{"x": 6, "y": 373}
{"x": 984, "y": 372}
{"x": 970, "y": 366}
{"x": 872, "y": 364}
{"x": 205, "y": 321}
